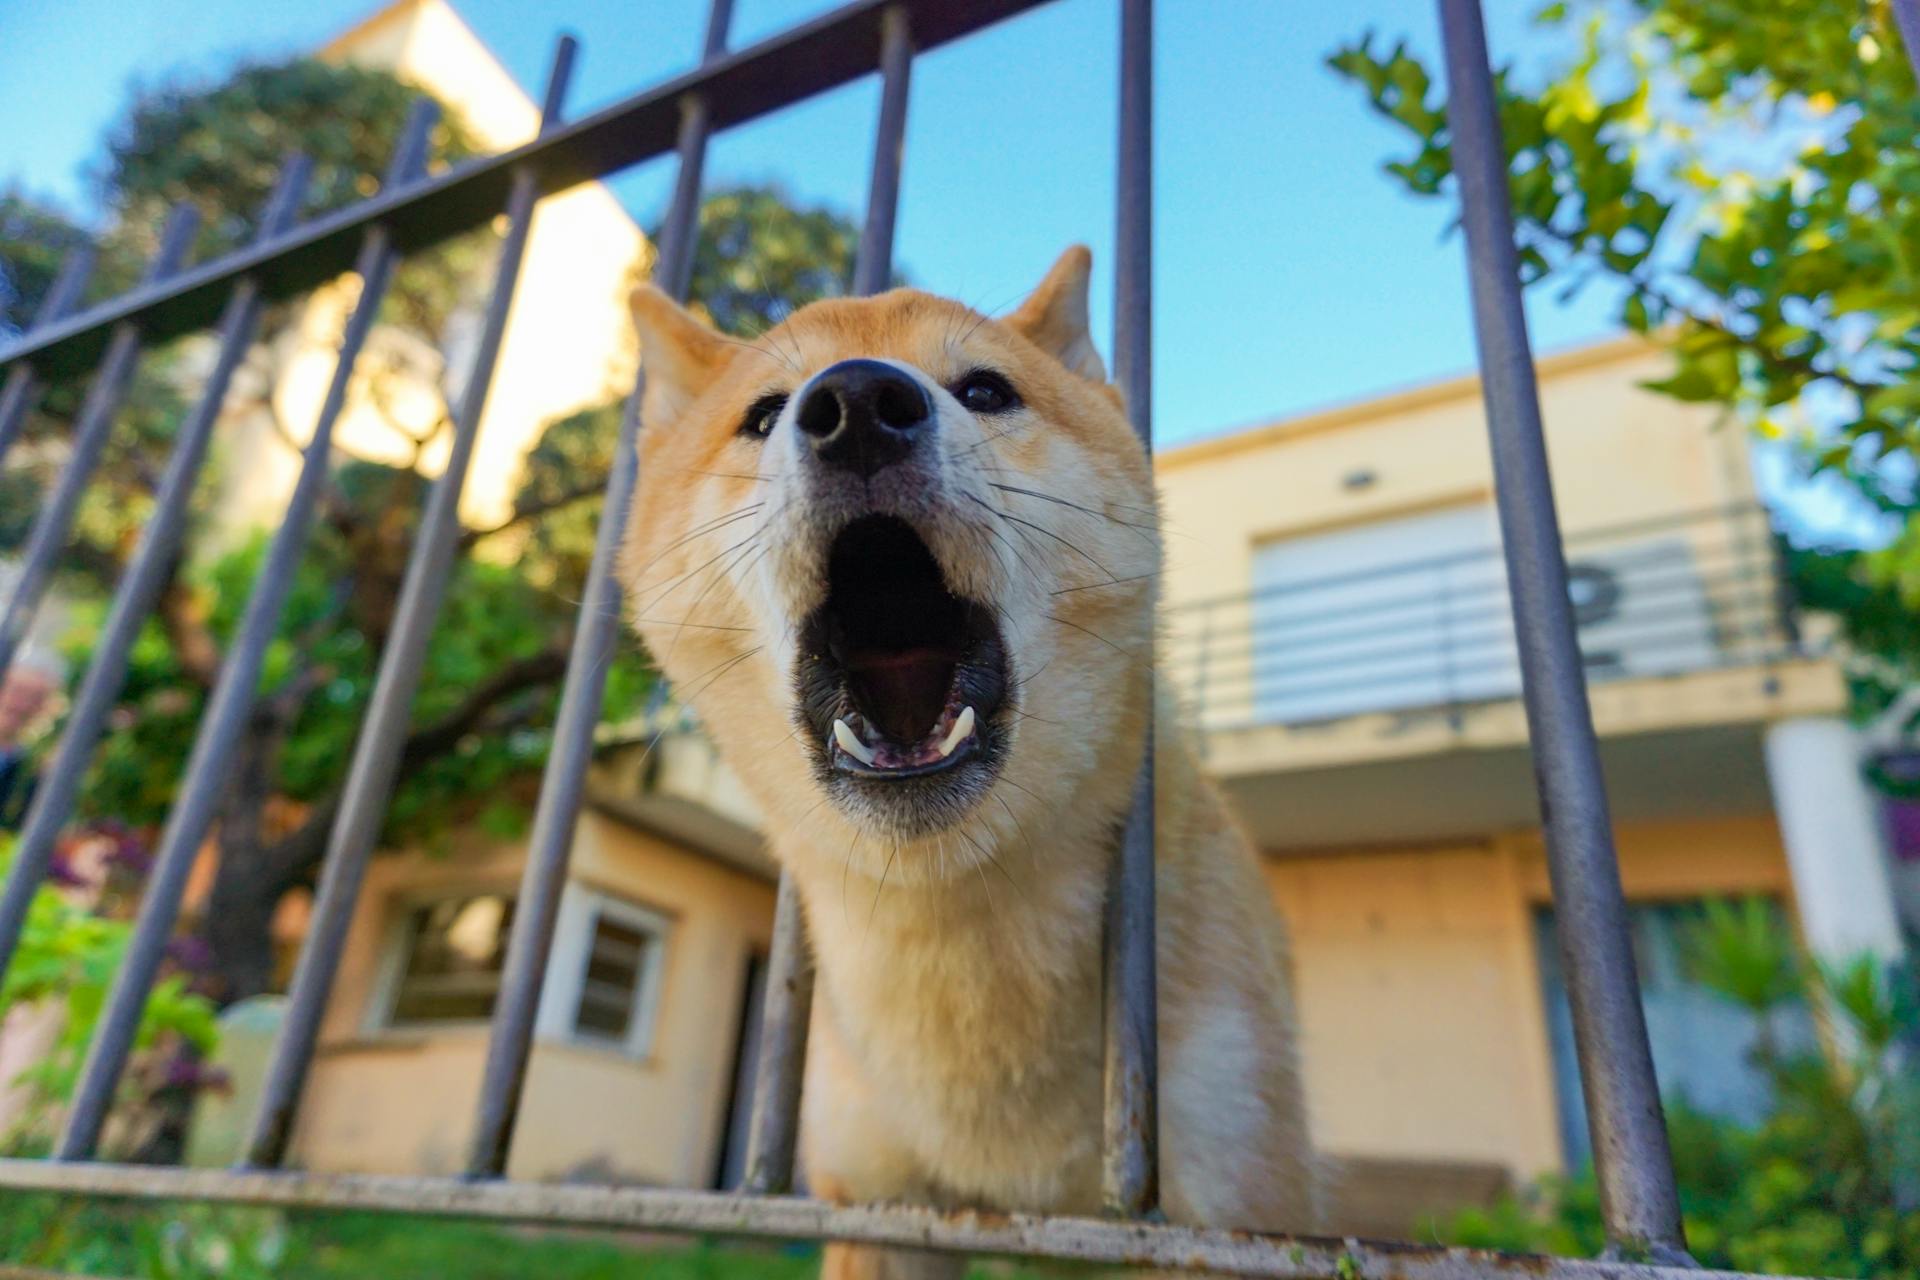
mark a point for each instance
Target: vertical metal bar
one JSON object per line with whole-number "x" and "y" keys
{"x": 873, "y": 265}
{"x": 22, "y": 386}
{"x": 1130, "y": 1177}
{"x": 152, "y": 561}
{"x": 1637, "y": 1197}
{"x": 206, "y": 777}
{"x": 774, "y": 1126}
{"x": 374, "y": 768}
{"x": 510, "y": 1039}
{"x": 1906, "y": 15}
{"x": 55, "y": 521}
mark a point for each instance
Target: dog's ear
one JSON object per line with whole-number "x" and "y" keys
{"x": 680, "y": 354}
{"x": 1054, "y": 316}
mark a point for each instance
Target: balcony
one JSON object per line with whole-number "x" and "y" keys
{"x": 1363, "y": 690}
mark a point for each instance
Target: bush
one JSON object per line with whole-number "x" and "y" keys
{"x": 1829, "y": 1183}
{"x": 66, "y": 960}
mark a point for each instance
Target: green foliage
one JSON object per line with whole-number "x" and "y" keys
{"x": 758, "y": 258}
{"x": 1828, "y": 1184}
{"x": 1745, "y": 175}
{"x": 218, "y": 147}
{"x": 221, "y": 146}
{"x": 66, "y": 960}
{"x": 498, "y": 618}
{"x": 34, "y": 238}
{"x": 1882, "y": 632}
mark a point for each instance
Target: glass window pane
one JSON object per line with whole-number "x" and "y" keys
{"x": 456, "y": 949}
{"x": 616, "y": 969}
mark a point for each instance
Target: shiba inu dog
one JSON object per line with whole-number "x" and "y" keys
{"x": 901, "y": 558}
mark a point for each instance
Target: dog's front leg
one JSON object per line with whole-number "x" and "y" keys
{"x": 866, "y": 1262}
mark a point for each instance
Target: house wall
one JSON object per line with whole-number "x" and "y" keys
{"x": 401, "y": 1101}
{"x": 1622, "y": 453}
{"x": 1423, "y": 1021}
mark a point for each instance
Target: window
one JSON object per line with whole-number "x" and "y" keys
{"x": 603, "y": 978}
{"x": 616, "y": 960}
{"x": 602, "y": 974}
{"x": 453, "y": 953}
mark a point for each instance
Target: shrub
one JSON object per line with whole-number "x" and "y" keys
{"x": 66, "y": 960}
{"x": 1828, "y": 1184}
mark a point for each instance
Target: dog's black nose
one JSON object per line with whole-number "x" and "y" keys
{"x": 864, "y": 415}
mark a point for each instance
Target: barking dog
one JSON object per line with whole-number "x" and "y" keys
{"x": 901, "y": 559}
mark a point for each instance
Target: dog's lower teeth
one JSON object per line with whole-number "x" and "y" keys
{"x": 850, "y": 743}
{"x": 961, "y": 731}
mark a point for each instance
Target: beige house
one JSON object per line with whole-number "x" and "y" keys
{"x": 1338, "y": 623}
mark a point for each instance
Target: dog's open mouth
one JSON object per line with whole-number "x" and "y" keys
{"x": 899, "y": 678}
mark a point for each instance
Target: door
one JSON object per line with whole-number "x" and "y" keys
{"x": 746, "y": 1066}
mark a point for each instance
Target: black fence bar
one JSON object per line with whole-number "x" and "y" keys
{"x": 22, "y": 387}
{"x": 1086, "y": 1240}
{"x": 374, "y": 769}
{"x": 556, "y": 813}
{"x": 774, "y": 1124}
{"x": 1130, "y": 1179}
{"x": 1634, "y": 1164}
{"x": 153, "y": 560}
{"x": 873, "y": 264}
{"x": 54, "y": 522}
{"x": 1906, "y": 13}
{"x": 206, "y": 778}
{"x": 832, "y": 50}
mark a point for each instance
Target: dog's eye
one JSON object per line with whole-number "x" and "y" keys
{"x": 761, "y": 413}
{"x": 984, "y": 391}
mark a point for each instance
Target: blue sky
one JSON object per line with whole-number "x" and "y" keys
{"x": 1290, "y": 274}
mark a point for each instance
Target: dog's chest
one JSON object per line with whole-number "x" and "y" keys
{"x": 980, "y": 1048}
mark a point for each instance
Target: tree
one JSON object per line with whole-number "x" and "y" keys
{"x": 483, "y": 713}
{"x": 1746, "y": 177}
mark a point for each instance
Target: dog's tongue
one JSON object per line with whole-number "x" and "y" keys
{"x": 901, "y": 692}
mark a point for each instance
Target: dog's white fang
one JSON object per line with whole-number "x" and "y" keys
{"x": 961, "y": 731}
{"x": 850, "y": 743}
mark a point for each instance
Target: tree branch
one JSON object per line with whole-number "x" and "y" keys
{"x": 534, "y": 510}
{"x": 530, "y": 672}
{"x": 296, "y": 854}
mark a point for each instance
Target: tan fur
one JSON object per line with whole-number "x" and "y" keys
{"x": 956, "y": 1048}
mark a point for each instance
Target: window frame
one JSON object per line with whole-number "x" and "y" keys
{"x": 381, "y": 1018}
{"x": 581, "y": 909}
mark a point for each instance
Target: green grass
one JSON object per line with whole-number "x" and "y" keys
{"x": 201, "y": 1242}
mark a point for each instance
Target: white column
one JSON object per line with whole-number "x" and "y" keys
{"x": 1831, "y": 825}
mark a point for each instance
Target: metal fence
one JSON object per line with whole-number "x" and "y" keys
{"x": 413, "y": 211}
{"x": 1432, "y": 635}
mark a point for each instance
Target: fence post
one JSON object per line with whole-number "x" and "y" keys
{"x": 1635, "y": 1167}
{"x": 557, "y": 812}
{"x": 1130, "y": 1175}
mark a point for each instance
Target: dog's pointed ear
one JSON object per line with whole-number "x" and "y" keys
{"x": 680, "y": 354}
{"x": 1054, "y": 316}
